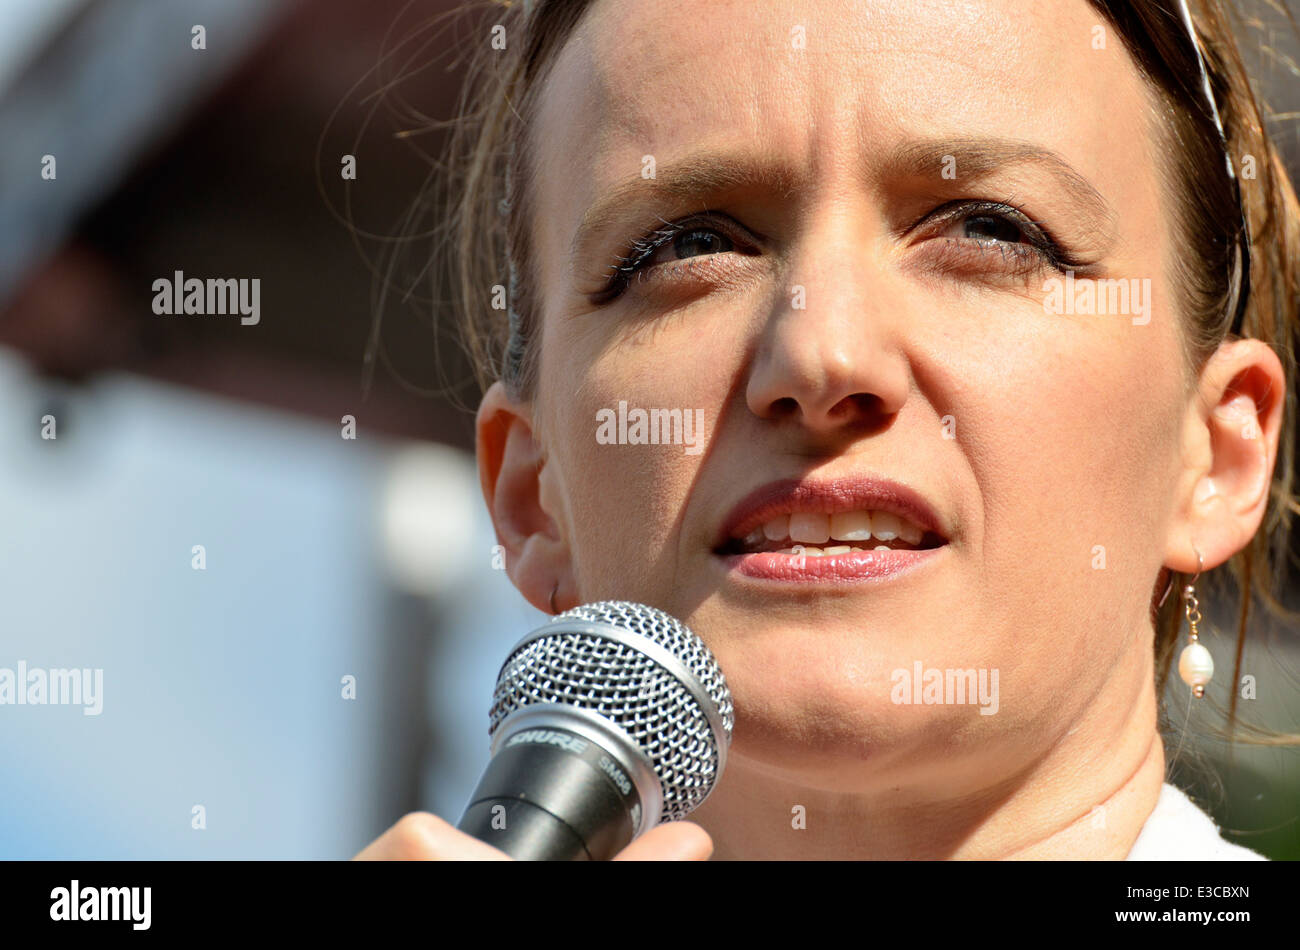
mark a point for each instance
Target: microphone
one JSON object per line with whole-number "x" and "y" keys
{"x": 606, "y": 721}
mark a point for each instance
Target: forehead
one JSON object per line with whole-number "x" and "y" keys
{"x": 824, "y": 88}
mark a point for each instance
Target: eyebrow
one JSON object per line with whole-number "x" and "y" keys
{"x": 976, "y": 158}
{"x": 706, "y": 175}
{"x": 700, "y": 176}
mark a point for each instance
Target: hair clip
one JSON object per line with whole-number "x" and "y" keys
{"x": 1239, "y": 284}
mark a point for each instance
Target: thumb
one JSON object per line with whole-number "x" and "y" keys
{"x": 674, "y": 841}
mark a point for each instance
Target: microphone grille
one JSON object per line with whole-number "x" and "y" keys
{"x": 683, "y": 731}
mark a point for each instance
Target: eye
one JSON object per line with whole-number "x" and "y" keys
{"x": 990, "y": 237}
{"x": 698, "y": 241}
{"x": 988, "y": 222}
{"x": 675, "y": 241}
{"x": 987, "y": 227}
{"x": 688, "y": 242}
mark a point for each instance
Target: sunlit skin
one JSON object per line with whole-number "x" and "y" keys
{"x": 1073, "y": 433}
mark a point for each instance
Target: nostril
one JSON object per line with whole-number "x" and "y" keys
{"x": 854, "y": 409}
{"x": 860, "y": 404}
{"x": 785, "y": 406}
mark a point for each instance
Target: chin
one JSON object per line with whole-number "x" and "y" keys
{"x": 855, "y": 742}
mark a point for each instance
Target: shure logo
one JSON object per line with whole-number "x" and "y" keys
{"x": 550, "y": 737}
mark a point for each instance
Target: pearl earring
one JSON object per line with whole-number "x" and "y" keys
{"x": 1195, "y": 665}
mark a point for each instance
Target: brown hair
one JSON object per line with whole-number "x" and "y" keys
{"x": 1209, "y": 222}
{"x": 492, "y": 179}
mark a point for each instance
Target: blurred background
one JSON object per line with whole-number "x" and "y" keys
{"x": 298, "y": 630}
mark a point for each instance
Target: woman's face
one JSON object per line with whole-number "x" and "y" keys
{"x": 881, "y": 195}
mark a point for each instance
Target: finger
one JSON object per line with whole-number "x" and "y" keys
{"x": 674, "y": 841}
{"x": 421, "y": 836}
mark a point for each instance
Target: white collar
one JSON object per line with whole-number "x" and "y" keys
{"x": 1179, "y": 831}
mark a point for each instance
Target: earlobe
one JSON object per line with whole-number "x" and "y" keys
{"x": 1243, "y": 386}
{"x": 510, "y": 466}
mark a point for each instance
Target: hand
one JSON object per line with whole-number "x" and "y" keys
{"x": 421, "y": 836}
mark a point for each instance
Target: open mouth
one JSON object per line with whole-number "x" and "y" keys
{"x": 821, "y": 534}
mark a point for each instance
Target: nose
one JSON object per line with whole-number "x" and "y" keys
{"x": 829, "y": 355}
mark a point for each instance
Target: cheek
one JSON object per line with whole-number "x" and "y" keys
{"x": 1072, "y": 444}
{"x": 635, "y": 425}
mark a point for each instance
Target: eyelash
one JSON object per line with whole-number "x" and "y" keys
{"x": 1039, "y": 250}
{"x": 633, "y": 262}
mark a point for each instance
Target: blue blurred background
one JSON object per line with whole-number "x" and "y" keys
{"x": 324, "y": 557}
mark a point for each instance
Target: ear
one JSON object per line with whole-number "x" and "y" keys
{"x": 511, "y": 469}
{"x": 1230, "y": 440}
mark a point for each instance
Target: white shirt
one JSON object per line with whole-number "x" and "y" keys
{"x": 1179, "y": 831}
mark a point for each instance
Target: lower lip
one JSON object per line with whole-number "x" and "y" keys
{"x": 853, "y": 566}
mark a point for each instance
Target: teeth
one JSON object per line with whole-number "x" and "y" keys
{"x": 883, "y": 547}
{"x": 815, "y": 528}
{"x": 885, "y": 526}
{"x": 778, "y": 529}
{"x": 811, "y": 551}
{"x": 851, "y": 526}
{"x": 810, "y": 527}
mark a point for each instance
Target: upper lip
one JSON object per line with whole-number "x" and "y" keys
{"x": 861, "y": 493}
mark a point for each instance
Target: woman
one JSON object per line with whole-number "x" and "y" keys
{"x": 952, "y": 288}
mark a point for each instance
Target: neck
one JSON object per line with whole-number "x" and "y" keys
{"x": 1086, "y": 796}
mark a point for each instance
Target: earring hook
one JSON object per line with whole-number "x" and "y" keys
{"x": 1169, "y": 582}
{"x": 1200, "y": 565}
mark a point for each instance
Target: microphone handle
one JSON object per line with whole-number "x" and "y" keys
{"x": 548, "y": 799}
